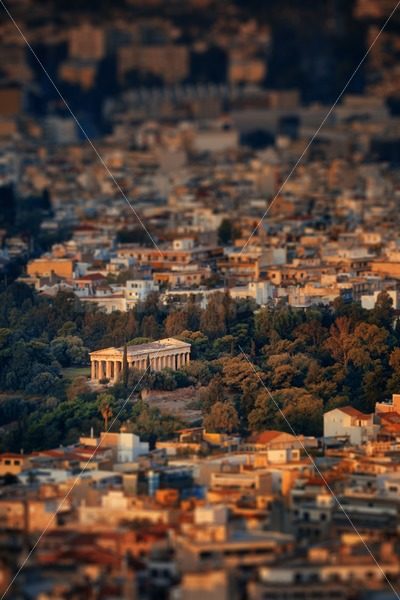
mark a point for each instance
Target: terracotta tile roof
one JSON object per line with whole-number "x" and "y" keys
{"x": 389, "y": 417}
{"x": 353, "y": 412}
{"x": 11, "y": 455}
{"x": 266, "y": 437}
{"x": 91, "y": 277}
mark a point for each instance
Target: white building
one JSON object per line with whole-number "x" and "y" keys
{"x": 137, "y": 290}
{"x": 216, "y": 514}
{"x": 127, "y": 445}
{"x": 260, "y": 291}
{"x": 349, "y": 422}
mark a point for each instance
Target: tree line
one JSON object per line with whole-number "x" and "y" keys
{"x": 310, "y": 359}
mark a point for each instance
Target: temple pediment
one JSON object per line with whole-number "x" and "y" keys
{"x": 168, "y": 353}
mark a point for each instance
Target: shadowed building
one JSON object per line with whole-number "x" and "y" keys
{"x": 167, "y": 353}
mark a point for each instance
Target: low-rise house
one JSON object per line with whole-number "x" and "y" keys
{"x": 12, "y": 463}
{"x": 277, "y": 440}
{"x": 348, "y": 422}
{"x": 217, "y": 545}
{"x": 115, "y": 507}
{"x": 137, "y": 290}
{"x": 126, "y": 446}
{"x": 326, "y": 573}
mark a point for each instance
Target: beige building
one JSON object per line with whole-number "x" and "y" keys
{"x": 63, "y": 267}
{"x": 167, "y": 353}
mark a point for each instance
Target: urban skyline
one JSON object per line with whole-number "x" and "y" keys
{"x": 199, "y": 300}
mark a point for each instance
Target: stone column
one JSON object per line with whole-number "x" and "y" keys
{"x": 118, "y": 367}
{"x": 92, "y": 370}
{"x": 108, "y": 369}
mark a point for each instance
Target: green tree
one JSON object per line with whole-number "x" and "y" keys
{"x": 263, "y": 415}
{"x": 225, "y": 231}
{"x": 222, "y": 418}
{"x": 393, "y": 385}
{"x": 150, "y": 327}
{"x": 193, "y": 312}
{"x": 69, "y": 351}
{"x": 368, "y": 343}
{"x": 105, "y": 403}
{"x": 301, "y": 410}
{"x": 214, "y": 392}
{"x": 339, "y": 343}
{"x": 213, "y": 319}
{"x": 263, "y": 325}
{"x": 383, "y": 312}
{"x": 175, "y": 323}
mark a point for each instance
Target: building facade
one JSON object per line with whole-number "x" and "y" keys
{"x": 167, "y": 353}
{"x": 347, "y": 421}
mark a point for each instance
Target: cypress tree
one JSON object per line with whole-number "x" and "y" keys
{"x": 125, "y": 367}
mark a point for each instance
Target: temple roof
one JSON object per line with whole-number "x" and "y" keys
{"x": 148, "y": 347}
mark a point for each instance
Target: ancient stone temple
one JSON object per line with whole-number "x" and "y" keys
{"x": 168, "y": 353}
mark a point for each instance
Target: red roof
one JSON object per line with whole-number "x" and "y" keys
{"x": 390, "y": 417}
{"x": 265, "y": 437}
{"x": 91, "y": 277}
{"x": 11, "y": 455}
{"x": 353, "y": 412}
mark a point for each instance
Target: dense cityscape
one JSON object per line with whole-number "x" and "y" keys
{"x": 199, "y": 300}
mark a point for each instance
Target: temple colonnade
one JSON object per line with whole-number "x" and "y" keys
{"x": 111, "y": 368}
{"x": 168, "y": 353}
